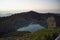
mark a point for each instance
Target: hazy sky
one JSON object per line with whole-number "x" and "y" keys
{"x": 44, "y": 5}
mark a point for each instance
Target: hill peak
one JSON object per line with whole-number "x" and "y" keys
{"x": 32, "y": 12}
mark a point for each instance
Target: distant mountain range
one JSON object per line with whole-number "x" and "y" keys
{"x": 19, "y": 20}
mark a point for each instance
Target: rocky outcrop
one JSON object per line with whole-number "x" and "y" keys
{"x": 51, "y": 22}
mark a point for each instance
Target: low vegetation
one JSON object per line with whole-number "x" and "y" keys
{"x": 23, "y": 35}
{"x": 49, "y": 34}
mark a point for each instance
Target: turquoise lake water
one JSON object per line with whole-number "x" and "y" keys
{"x": 31, "y": 27}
